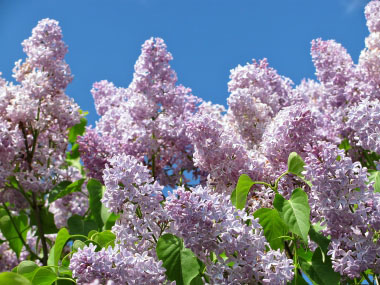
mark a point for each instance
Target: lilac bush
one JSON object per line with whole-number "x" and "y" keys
{"x": 282, "y": 184}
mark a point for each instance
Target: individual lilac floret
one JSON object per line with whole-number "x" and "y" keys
{"x": 372, "y": 14}
{"x": 262, "y": 82}
{"x": 364, "y": 120}
{"x": 334, "y": 68}
{"x": 209, "y": 223}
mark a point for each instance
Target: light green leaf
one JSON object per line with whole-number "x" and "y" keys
{"x": 60, "y": 242}
{"x": 295, "y": 212}
{"x": 77, "y": 130}
{"x": 181, "y": 264}
{"x": 103, "y": 238}
{"x": 10, "y": 231}
{"x": 239, "y": 195}
{"x": 27, "y": 268}
{"x": 295, "y": 164}
{"x": 375, "y": 176}
{"x": 13, "y": 278}
{"x": 44, "y": 276}
{"x": 273, "y": 226}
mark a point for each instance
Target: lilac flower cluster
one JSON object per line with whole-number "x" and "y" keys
{"x": 338, "y": 185}
{"x": 209, "y": 223}
{"x": 130, "y": 189}
{"x": 36, "y": 114}
{"x": 153, "y": 109}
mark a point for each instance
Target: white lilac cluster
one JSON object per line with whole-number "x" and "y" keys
{"x": 209, "y": 223}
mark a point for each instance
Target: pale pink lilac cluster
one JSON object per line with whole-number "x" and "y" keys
{"x": 209, "y": 223}
{"x": 115, "y": 266}
{"x": 130, "y": 189}
{"x": 36, "y": 113}
{"x": 338, "y": 185}
{"x": 146, "y": 120}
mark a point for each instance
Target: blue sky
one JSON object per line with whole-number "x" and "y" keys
{"x": 206, "y": 37}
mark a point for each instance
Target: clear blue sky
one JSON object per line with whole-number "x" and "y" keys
{"x": 206, "y": 37}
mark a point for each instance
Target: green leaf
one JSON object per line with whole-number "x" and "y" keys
{"x": 320, "y": 270}
{"x": 64, "y": 188}
{"x": 295, "y": 212}
{"x": 299, "y": 280}
{"x": 95, "y": 190}
{"x": 12, "y": 278}
{"x": 181, "y": 264}
{"x": 73, "y": 158}
{"x": 78, "y": 244}
{"x": 79, "y": 226}
{"x": 104, "y": 238}
{"x": 239, "y": 195}
{"x": 345, "y": 144}
{"x": 91, "y": 233}
{"x": 295, "y": 164}
{"x": 318, "y": 238}
{"x": 27, "y": 268}
{"x": 60, "y": 242}
{"x": 77, "y": 130}
{"x": 375, "y": 176}
{"x": 47, "y": 219}
{"x": 44, "y": 276}
{"x": 273, "y": 226}
{"x": 10, "y": 233}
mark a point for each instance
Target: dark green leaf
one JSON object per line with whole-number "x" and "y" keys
{"x": 318, "y": 238}
{"x": 44, "y": 276}
{"x": 12, "y": 278}
{"x": 299, "y": 280}
{"x": 79, "y": 226}
{"x": 64, "y": 188}
{"x": 295, "y": 212}
{"x": 10, "y": 231}
{"x": 77, "y": 130}
{"x": 273, "y": 226}
{"x": 319, "y": 270}
{"x": 181, "y": 264}
{"x": 95, "y": 190}
{"x": 47, "y": 220}
{"x": 239, "y": 195}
